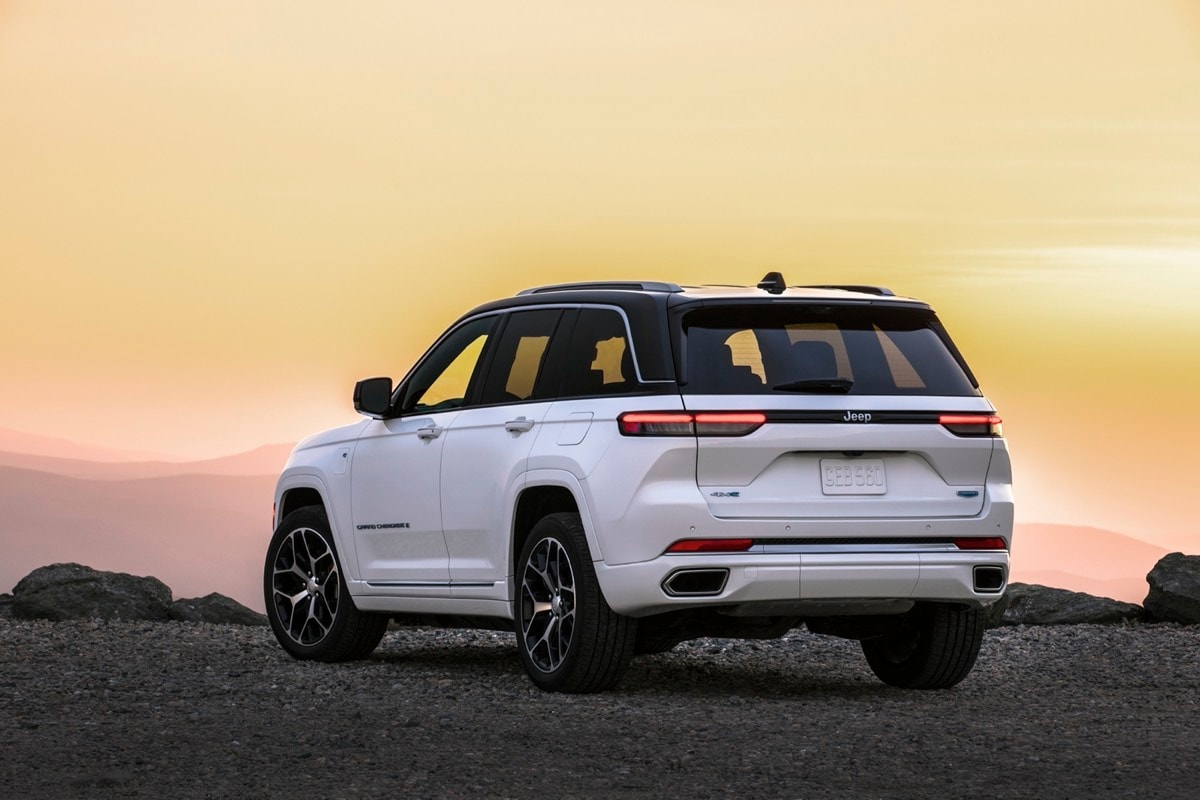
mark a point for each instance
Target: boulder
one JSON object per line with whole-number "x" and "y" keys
{"x": 995, "y": 612}
{"x": 1031, "y": 604}
{"x": 73, "y": 591}
{"x": 215, "y": 608}
{"x": 1174, "y": 589}
{"x": 6, "y": 601}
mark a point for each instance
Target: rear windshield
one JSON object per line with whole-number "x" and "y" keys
{"x": 808, "y": 349}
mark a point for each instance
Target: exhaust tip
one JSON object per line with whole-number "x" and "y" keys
{"x": 989, "y": 580}
{"x": 695, "y": 582}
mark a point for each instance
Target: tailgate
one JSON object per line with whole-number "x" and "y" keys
{"x": 816, "y": 465}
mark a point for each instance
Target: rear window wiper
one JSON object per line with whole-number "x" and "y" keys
{"x": 817, "y": 385}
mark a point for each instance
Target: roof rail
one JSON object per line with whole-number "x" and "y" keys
{"x": 857, "y": 287}
{"x": 626, "y": 286}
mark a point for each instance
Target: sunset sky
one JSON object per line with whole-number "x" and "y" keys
{"x": 215, "y": 216}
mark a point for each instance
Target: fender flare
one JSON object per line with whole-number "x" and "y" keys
{"x": 567, "y": 480}
{"x": 306, "y": 478}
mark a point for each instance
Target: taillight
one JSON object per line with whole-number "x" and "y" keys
{"x": 972, "y": 424}
{"x": 683, "y": 423}
{"x": 655, "y": 423}
{"x": 980, "y": 543}
{"x": 728, "y": 424}
{"x": 711, "y": 546}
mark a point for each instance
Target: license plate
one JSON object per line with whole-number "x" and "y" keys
{"x": 853, "y": 476}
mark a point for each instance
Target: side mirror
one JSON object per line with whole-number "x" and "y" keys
{"x": 373, "y": 397}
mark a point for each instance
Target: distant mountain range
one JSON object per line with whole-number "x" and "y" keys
{"x": 198, "y": 533}
{"x": 266, "y": 460}
{"x": 203, "y": 526}
{"x": 200, "y": 526}
{"x": 1092, "y": 560}
{"x": 21, "y": 442}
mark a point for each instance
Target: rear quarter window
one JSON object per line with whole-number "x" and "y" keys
{"x": 599, "y": 360}
{"x": 858, "y": 350}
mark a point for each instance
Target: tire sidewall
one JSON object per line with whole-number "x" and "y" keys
{"x": 904, "y": 671}
{"x": 551, "y": 528}
{"x": 947, "y": 641}
{"x": 313, "y": 518}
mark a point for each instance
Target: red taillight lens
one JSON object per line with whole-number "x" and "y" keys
{"x": 655, "y": 423}
{"x": 983, "y": 543}
{"x": 683, "y": 423}
{"x": 972, "y": 424}
{"x": 717, "y": 423}
{"x": 711, "y": 546}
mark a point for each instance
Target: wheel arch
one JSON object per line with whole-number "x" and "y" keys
{"x": 297, "y": 490}
{"x": 299, "y": 497}
{"x": 547, "y": 492}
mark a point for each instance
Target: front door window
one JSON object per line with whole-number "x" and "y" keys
{"x": 444, "y": 379}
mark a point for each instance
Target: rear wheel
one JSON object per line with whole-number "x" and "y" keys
{"x": 568, "y": 637}
{"x": 308, "y": 606}
{"x": 935, "y": 647}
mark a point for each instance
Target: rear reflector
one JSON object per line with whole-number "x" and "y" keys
{"x": 711, "y": 546}
{"x": 972, "y": 424}
{"x": 683, "y": 423}
{"x": 982, "y": 543}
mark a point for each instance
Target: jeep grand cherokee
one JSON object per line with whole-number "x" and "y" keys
{"x": 609, "y": 469}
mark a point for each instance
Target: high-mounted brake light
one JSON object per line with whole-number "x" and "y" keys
{"x": 981, "y": 543}
{"x": 972, "y": 424}
{"x": 711, "y": 546}
{"x": 683, "y": 423}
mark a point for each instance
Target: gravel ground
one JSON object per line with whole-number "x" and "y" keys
{"x": 181, "y": 710}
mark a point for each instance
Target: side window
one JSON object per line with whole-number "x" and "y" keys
{"x": 518, "y": 356}
{"x": 599, "y": 359}
{"x": 445, "y": 377}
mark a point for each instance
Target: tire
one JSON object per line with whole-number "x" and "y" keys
{"x": 935, "y": 649}
{"x": 568, "y": 637}
{"x": 310, "y": 611}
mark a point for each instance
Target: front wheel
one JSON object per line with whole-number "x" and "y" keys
{"x": 934, "y": 648}
{"x": 308, "y": 606}
{"x": 568, "y": 637}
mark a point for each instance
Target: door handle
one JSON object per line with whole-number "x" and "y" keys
{"x": 518, "y": 425}
{"x": 429, "y": 432}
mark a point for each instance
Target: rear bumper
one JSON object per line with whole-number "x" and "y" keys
{"x": 777, "y": 580}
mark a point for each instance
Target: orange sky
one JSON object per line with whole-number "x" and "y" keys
{"x": 215, "y": 216}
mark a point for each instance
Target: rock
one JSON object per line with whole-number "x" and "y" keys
{"x": 1174, "y": 589}
{"x": 995, "y": 612}
{"x": 1030, "y": 604}
{"x": 72, "y": 591}
{"x": 6, "y": 601}
{"x": 215, "y": 608}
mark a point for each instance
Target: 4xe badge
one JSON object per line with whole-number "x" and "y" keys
{"x": 856, "y": 416}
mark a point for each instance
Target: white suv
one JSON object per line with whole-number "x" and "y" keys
{"x": 612, "y": 468}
